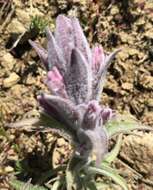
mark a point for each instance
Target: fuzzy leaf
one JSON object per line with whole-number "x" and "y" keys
{"x": 78, "y": 79}
{"x": 64, "y": 36}
{"x": 18, "y": 185}
{"x": 74, "y": 166}
{"x": 101, "y": 78}
{"x": 56, "y": 185}
{"x": 46, "y": 123}
{"x": 41, "y": 52}
{"x": 124, "y": 124}
{"x": 98, "y": 60}
{"x": 51, "y": 173}
{"x": 110, "y": 57}
{"x": 69, "y": 180}
{"x": 109, "y": 172}
{"x": 91, "y": 186}
{"x": 99, "y": 140}
{"x": 55, "y": 56}
{"x": 112, "y": 155}
{"x": 80, "y": 40}
{"x": 63, "y": 109}
{"x": 23, "y": 123}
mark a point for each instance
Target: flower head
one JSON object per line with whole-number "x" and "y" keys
{"x": 75, "y": 77}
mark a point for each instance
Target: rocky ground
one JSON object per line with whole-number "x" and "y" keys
{"x": 126, "y": 24}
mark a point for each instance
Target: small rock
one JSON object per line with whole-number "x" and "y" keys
{"x": 146, "y": 81}
{"x": 123, "y": 55}
{"x": 142, "y": 56}
{"x": 127, "y": 86}
{"x": 17, "y": 90}
{"x": 133, "y": 51}
{"x": 7, "y": 61}
{"x": 61, "y": 142}
{"x": 140, "y": 21}
{"x": 50, "y": 138}
{"x": 149, "y": 34}
{"x": 30, "y": 80}
{"x": 11, "y": 80}
{"x": 126, "y": 38}
{"x": 17, "y": 3}
{"x": 138, "y": 152}
{"x": 23, "y": 17}
{"x": 114, "y": 10}
{"x": 36, "y": 12}
{"x": 112, "y": 85}
{"x": 149, "y": 5}
{"x": 150, "y": 102}
{"x": 148, "y": 26}
{"x": 16, "y": 27}
{"x": 62, "y": 4}
{"x": 8, "y": 169}
{"x": 148, "y": 118}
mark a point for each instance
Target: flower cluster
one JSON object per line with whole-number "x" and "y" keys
{"x": 75, "y": 77}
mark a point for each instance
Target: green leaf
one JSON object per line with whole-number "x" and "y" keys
{"x": 124, "y": 124}
{"x": 109, "y": 172}
{"x": 48, "y": 174}
{"x": 111, "y": 156}
{"x": 91, "y": 185}
{"x": 69, "y": 180}
{"x": 56, "y": 185}
{"x": 71, "y": 172}
{"x": 38, "y": 24}
{"x": 45, "y": 123}
{"x": 48, "y": 121}
{"x": 18, "y": 185}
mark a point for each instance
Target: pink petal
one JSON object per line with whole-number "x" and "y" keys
{"x": 98, "y": 58}
{"x": 55, "y": 75}
{"x": 107, "y": 114}
{"x": 55, "y": 83}
{"x": 91, "y": 117}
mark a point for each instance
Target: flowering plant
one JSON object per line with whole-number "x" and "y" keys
{"x": 75, "y": 78}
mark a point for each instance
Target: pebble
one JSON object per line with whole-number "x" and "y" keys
{"x": 11, "y": 80}
{"x": 114, "y": 10}
{"x": 16, "y": 27}
{"x": 146, "y": 81}
{"x": 150, "y": 102}
{"x": 149, "y": 34}
{"x": 23, "y": 17}
{"x": 8, "y": 169}
{"x": 127, "y": 86}
{"x": 61, "y": 142}
{"x": 123, "y": 55}
{"x": 7, "y": 61}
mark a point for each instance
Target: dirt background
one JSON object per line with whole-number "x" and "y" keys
{"x": 126, "y": 24}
